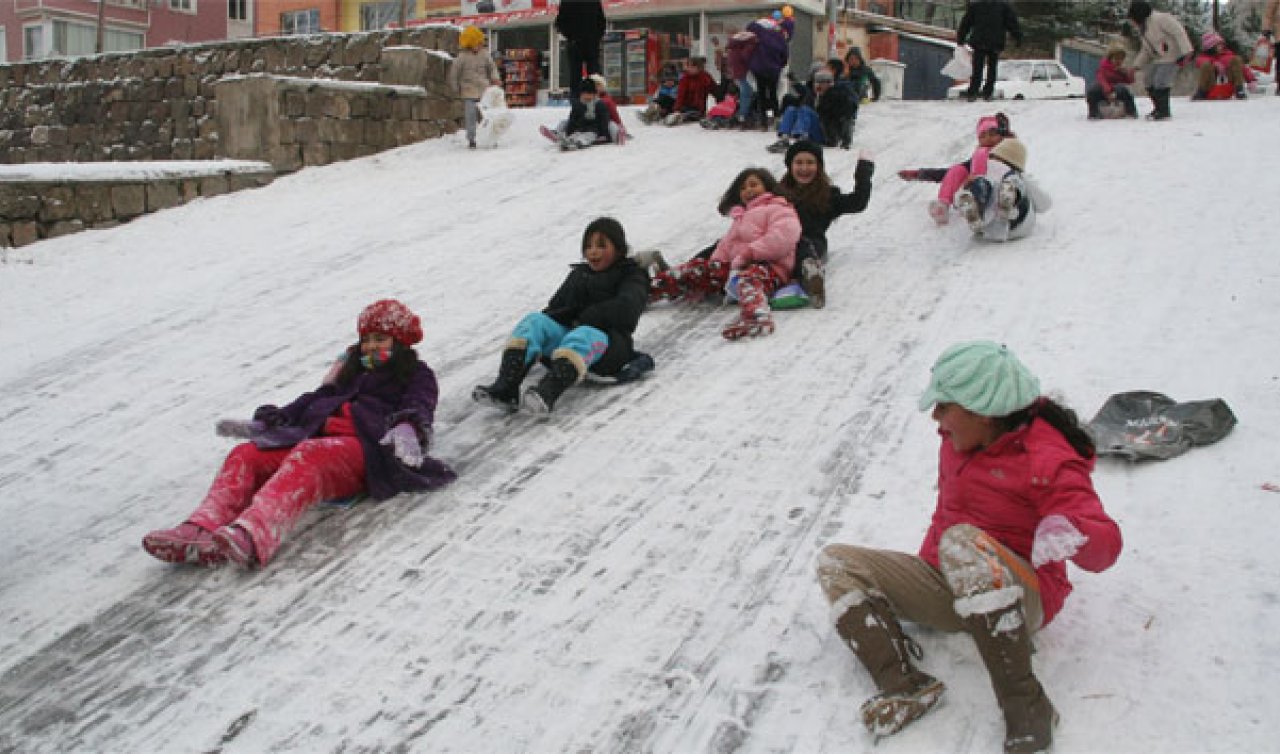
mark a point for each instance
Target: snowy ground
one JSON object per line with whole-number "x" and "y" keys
{"x": 634, "y": 575}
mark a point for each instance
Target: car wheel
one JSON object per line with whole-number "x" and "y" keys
{"x": 1018, "y": 96}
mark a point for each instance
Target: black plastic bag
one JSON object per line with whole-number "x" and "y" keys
{"x": 1142, "y": 424}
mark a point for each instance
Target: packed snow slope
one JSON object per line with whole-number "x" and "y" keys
{"x": 635, "y": 574}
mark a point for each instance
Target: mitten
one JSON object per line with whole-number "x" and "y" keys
{"x": 239, "y": 428}
{"x": 403, "y": 439}
{"x": 1056, "y": 539}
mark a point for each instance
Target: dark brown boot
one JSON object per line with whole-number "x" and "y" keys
{"x": 873, "y": 633}
{"x": 1004, "y": 641}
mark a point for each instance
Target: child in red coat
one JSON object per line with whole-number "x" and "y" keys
{"x": 1111, "y": 84}
{"x": 1015, "y": 502}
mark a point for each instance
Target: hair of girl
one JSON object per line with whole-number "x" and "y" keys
{"x": 732, "y": 197}
{"x": 610, "y": 229}
{"x": 1057, "y": 416}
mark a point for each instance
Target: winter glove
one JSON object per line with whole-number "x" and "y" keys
{"x": 239, "y": 428}
{"x": 1056, "y": 539}
{"x": 403, "y": 439}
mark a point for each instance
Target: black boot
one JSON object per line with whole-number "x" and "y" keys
{"x": 505, "y": 391}
{"x": 1160, "y": 100}
{"x": 564, "y": 371}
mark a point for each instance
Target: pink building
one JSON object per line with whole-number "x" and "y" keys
{"x": 35, "y": 29}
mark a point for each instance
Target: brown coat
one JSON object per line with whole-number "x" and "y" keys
{"x": 1271, "y": 16}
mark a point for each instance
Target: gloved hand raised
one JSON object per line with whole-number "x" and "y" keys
{"x": 1056, "y": 539}
{"x": 403, "y": 439}
{"x": 239, "y": 428}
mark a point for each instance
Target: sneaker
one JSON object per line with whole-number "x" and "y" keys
{"x": 968, "y": 207}
{"x": 1007, "y": 201}
{"x": 779, "y": 146}
{"x": 236, "y": 545}
{"x": 939, "y": 212}
{"x": 813, "y": 280}
{"x": 185, "y": 543}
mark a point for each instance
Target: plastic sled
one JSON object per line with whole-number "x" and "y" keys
{"x": 1220, "y": 91}
{"x": 640, "y": 365}
{"x": 1111, "y": 110}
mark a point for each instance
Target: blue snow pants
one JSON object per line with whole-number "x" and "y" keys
{"x": 801, "y": 122}
{"x": 544, "y": 336}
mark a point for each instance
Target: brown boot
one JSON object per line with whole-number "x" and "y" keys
{"x": 873, "y": 633}
{"x": 1004, "y": 642}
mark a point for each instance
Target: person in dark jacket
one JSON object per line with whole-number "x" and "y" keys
{"x": 582, "y": 23}
{"x": 983, "y": 27}
{"x": 589, "y": 120}
{"x": 587, "y": 325}
{"x": 819, "y": 202}
{"x": 768, "y": 58}
{"x": 365, "y": 430}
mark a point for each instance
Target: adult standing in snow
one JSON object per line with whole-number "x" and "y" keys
{"x": 983, "y": 27}
{"x": 367, "y": 429}
{"x": 1163, "y": 47}
{"x": 582, "y": 23}
{"x": 1015, "y": 502}
{"x": 1270, "y": 25}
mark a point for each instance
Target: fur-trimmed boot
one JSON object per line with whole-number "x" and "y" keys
{"x": 565, "y": 370}
{"x": 504, "y": 393}
{"x": 754, "y": 315}
{"x": 1004, "y": 641}
{"x": 872, "y": 631}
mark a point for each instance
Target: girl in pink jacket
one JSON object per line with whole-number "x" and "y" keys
{"x": 1015, "y": 502}
{"x": 992, "y": 129}
{"x": 750, "y": 262}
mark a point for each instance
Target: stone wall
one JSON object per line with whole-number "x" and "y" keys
{"x": 162, "y": 104}
{"x": 39, "y": 205}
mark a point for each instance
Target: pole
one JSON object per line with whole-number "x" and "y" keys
{"x": 102, "y": 13}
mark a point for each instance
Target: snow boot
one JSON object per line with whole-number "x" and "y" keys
{"x": 939, "y": 212}
{"x": 184, "y": 543}
{"x": 504, "y": 393}
{"x": 566, "y": 369}
{"x": 874, "y": 634}
{"x": 664, "y": 285}
{"x": 754, "y": 316}
{"x": 1160, "y": 103}
{"x": 236, "y": 545}
{"x": 813, "y": 281}
{"x": 968, "y": 207}
{"x": 779, "y": 146}
{"x": 1004, "y": 641}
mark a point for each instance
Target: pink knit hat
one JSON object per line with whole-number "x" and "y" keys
{"x": 1210, "y": 40}
{"x": 988, "y": 123}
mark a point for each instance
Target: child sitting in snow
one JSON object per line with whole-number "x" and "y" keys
{"x": 752, "y": 260}
{"x": 721, "y": 115}
{"x": 587, "y": 325}
{"x": 1217, "y": 63}
{"x": 992, "y": 129}
{"x": 367, "y": 429}
{"x": 695, "y": 86}
{"x": 617, "y": 132}
{"x": 1001, "y": 203}
{"x": 663, "y": 101}
{"x": 588, "y": 122}
{"x": 1111, "y": 85}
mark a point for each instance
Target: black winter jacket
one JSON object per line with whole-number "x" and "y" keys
{"x": 611, "y": 301}
{"x": 814, "y": 225}
{"x": 984, "y": 25}
{"x": 581, "y": 21}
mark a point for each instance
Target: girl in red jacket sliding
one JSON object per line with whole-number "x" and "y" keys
{"x": 1015, "y": 502}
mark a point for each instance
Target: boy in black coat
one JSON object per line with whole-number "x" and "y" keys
{"x": 588, "y": 324}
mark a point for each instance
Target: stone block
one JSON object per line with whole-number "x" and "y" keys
{"x": 163, "y": 195}
{"x": 18, "y": 202}
{"x": 213, "y": 185}
{"x": 128, "y": 200}
{"x": 57, "y": 203}
{"x": 315, "y": 153}
{"x": 24, "y": 232}
{"x": 94, "y": 202}
{"x": 64, "y": 227}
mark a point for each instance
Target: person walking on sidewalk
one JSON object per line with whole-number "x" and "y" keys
{"x": 1015, "y": 502}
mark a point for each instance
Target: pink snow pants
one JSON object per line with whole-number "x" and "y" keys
{"x": 952, "y": 182}
{"x": 266, "y": 491}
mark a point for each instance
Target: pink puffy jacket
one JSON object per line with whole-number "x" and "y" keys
{"x": 766, "y": 230}
{"x": 1007, "y": 487}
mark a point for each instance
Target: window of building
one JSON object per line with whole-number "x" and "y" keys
{"x": 71, "y": 39}
{"x": 4, "y": 48}
{"x": 300, "y": 22}
{"x": 33, "y": 42}
{"x": 183, "y": 6}
{"x": 374, "y": 16}
{"x": 238, "y": 10}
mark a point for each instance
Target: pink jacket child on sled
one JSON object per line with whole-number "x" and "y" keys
{"x": 750, "y": 261}
{"x": 365, "y": 430}
{"x": 992, "y": 129}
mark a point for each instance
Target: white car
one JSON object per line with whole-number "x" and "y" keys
{"x": 1030, "y": 79}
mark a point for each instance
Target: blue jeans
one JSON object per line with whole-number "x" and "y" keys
{"x": 745, "y": 95}
{"x": 545, "y": 336}
{"x": 801, "y": 122}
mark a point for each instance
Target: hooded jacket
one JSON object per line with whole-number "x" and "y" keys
{"x": 766, "y": 230}
{"x": 772, "y": 48}
{"x": 611, "y": 301}
{"x": 1006, "y": 488}
{"x": 378, "y": 403}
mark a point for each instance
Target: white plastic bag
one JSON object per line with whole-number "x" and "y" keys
{"x": 960, "y": 66}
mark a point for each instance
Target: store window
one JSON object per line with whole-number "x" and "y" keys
{"x": 374, "y": 16}
{"x": 300, "y": 22}
{"x": 33, "y": 42}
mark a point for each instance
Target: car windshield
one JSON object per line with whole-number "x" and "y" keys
{"x": 1016, "y": 70}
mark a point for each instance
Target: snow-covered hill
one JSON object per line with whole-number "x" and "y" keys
{"x": 635, "y": 574}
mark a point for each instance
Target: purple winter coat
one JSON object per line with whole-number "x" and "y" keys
{"x": 771, "y": 52}
{"x": 378, "y": 403}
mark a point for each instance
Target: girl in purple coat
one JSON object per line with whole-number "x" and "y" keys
{"x": 1015, "y": 502}
{"x": 365, "y": 430}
